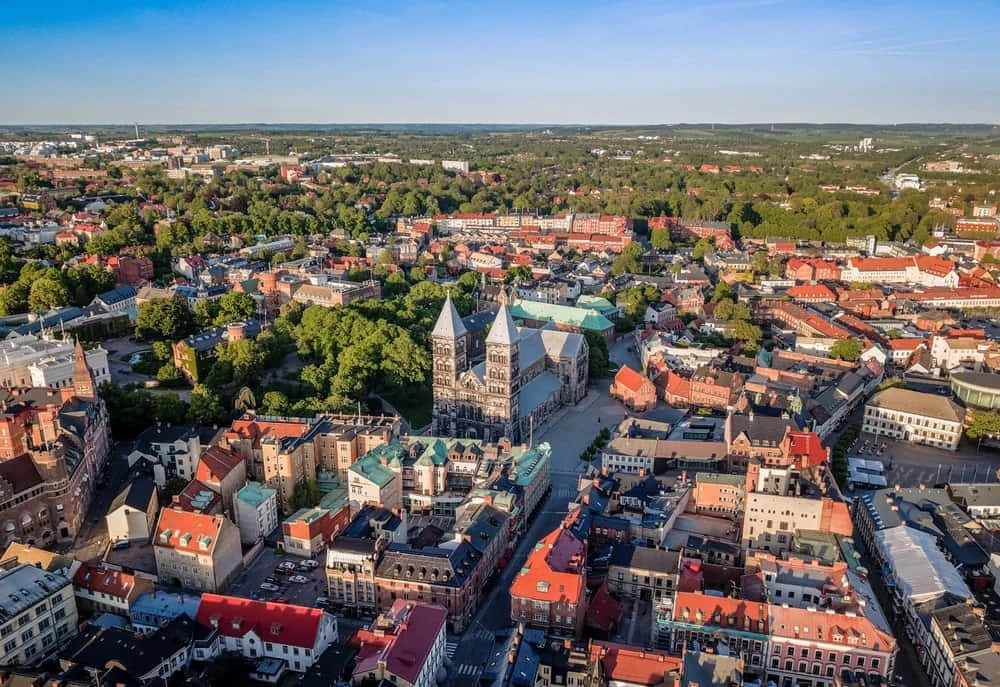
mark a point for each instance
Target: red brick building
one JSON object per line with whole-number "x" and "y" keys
{"x": 633, "y": 389}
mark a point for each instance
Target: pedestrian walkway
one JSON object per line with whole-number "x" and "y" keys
{"x": 467, "y": 669}
{"x": 450, "y": 648}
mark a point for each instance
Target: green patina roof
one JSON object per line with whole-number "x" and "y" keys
{"x": 255, "y": 493}
{"x": 598, "y": 303}
{"x": 437, "y": 449}
{"x": 310, "y": 515}
{"x": 527, "y": 462}
{"x": 370, "y": 465}
{"x": 585, "y": 318}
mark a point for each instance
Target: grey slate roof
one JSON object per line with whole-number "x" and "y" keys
{"x": 136, "y": 494}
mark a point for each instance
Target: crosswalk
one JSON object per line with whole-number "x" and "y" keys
{"x": 450, "y": 648}
{"x": 467, "y": 669}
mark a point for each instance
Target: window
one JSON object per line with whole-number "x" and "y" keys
{"x": 861, "y": 661}
{"x": 9, "y": 645}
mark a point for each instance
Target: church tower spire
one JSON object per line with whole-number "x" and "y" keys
{"x": 449, "y": 351}
{"x": 503, "y": 371}
{"x": 83, "y": 380}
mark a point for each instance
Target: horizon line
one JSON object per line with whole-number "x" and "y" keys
{"x": 507, "y": 124}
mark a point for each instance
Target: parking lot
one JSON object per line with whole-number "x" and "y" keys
{"x": 298, "y": 593}
{"x": 910, "y": 465}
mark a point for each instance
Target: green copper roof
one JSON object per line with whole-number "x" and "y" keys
{"x": 255, "y": 493}
{"x": 583, "y": 318}
{"x": 598, "y": 303}
{"x": 370, "y": 465}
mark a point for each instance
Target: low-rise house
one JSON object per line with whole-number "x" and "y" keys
{"x": 132, "y": 515}
{"x": 633, "y": 389}
{"x": 105, "y": 590}
{"x": 142, "y": 659}
{"x": 295, "y": 635}
{"x": 196, "y": 550}
{"x": 404, "y": 646}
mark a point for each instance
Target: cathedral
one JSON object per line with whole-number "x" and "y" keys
{"x": 526, "y": 376}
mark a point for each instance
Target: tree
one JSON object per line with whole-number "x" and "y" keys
{"x": 235, "y": 307}
{"x": 599, "y": 357}
{"x": 395, "y": 285}
{"x": 274, "y": 403}
{"x": 629, "y": 260}
{"x": 723, "y": 290}
{"x": 984, "y": 423}
{"x": 47, "y": 293}
{"x": 749, "y": 334}
{"x": 704, "y": 245}
{"x": 206, "y": 311}
{"x": 846, "y": 349}
{"x": 205, "y": 409}
{"x": 169, "y": 408}
{"x": 168, "y": 375}
{"x": 660, "y": 239}
{"x": 164, "y": 319}
{"x": 14, "y": 298}
{"x": 518, "y": 272}
{"x": 306, "y": 494}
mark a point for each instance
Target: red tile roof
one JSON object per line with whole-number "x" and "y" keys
{"x": 187, "y": 531}
{"x": 629, "y": 378}
{"x": 99, "y": 579}
{"x": 632, "y": 665}
{"x": 721, "y": 611}
{"x": 251, "y": 428}
{"x": 272, "y": 622}
{"x": 406, "y": 651}
{"x": 603, "y": 612}
{"x": 546, "y": 575}
{"x": 199, "y": 497}
{"x": 909, "y": 343}
{"x": 216, "y": 463}
{"x": 833, "y": 628}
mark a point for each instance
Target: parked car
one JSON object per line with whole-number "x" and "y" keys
{"x": 281, "y": 599}
{"x": 269, "y": 587}
{"x": 298, "y": 579}
{"x": 310, "y": 563}
{"x": 121, "y": 544}
{"x": 287, "y": 565}
{"x": 322, "y": 601}
{"x": 271, "y": 580}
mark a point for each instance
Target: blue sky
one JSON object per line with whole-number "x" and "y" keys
{"x": 502, "y": 61}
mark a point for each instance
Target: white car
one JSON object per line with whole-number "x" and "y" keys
{"x": 287, "y": 565}
{"x": 309, "y": 563}
{"x": 268, "y": 587}
{"x": 322, "y": 601}
{"x": 298, "y": 579}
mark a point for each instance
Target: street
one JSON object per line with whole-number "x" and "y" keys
{"x": 569, "y": 432}
{"x": 92, "y": 539}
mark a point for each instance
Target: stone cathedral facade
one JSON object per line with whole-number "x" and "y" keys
{"x": 527, "y": 374}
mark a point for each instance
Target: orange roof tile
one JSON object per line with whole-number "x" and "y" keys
{"x": 629, "y": 378}
{"x": 546, "y": 575}
{"x": 187, "y": 531}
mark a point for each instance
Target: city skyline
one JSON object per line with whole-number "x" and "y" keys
{"x": 732, "y": 61}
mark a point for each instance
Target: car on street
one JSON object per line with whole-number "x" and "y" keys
{"x": 281, "y": 599}
{"x": 321, "y": 601}
{"x": 287, "y": 565}
{"x": 269, "y": 587}
{"x": 298, "y": 579}
{"x": 310, "y": 564}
